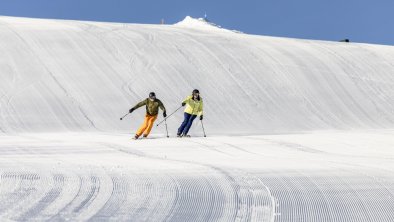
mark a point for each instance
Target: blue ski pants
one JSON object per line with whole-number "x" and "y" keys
{"x": 186, "y": 124}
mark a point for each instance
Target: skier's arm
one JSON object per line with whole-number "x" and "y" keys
{"x": 200, "y": 109}
{"x": 142, "y": 103}
{"x": 161, "y": 105}
{"x": 187, "y": 100}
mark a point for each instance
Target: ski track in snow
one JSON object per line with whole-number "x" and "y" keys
{"x": 165, "y": 180}
{"x": 316, "y": 119}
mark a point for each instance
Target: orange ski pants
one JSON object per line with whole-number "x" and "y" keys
{"x": 146, "y": 127}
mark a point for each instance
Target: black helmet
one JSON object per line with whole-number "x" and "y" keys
{"x": 196, "y": 91}
{"x": 152, "y": 94}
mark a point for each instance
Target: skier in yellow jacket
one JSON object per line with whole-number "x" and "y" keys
{"x": 152, "y": 110}
{"x": 194, "y": 108}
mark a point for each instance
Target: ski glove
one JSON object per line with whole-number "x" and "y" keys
{"x": 183, "y": 104}
{"x": 201, "y": 117}
{"x": 131, "y": 110}
{"x": 164, "y": 114}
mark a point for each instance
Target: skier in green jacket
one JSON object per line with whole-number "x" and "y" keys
{"x": 152, "y": 105}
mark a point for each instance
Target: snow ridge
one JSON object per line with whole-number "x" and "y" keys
{"x": 199, "y": 23}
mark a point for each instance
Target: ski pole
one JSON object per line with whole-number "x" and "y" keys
{"x": 166, "y": 127}
{"x": 168, "y": 116}
{"x": 124, "y": 116}
{"x": 202, "y": 124}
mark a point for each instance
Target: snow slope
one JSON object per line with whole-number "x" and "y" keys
{"x": 331, "y": 176}
{"x": 298, "y": 130}
{"x": 83, "y": 76}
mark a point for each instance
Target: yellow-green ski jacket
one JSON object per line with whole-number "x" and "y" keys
{"x": 193, "y": 107}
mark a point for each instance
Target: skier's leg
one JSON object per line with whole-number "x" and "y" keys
{"x": 143, "y": 126}
{"x": 189, "y": 124}
{"x": 184, "y": 123}
{"x": 151, "y": 120}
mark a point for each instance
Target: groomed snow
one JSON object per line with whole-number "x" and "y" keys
{"x": 298, "y": 130}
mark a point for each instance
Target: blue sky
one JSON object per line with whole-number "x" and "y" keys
{"x": 370, "y": 21}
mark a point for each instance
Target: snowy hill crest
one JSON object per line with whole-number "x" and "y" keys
{"x": 199, "y": 23}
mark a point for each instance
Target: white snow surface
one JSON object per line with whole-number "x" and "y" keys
{"x": 298, "y": 130}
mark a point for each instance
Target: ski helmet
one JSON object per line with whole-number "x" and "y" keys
{"x": 196, "y": 91}
{"x": 152, "y": 94}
